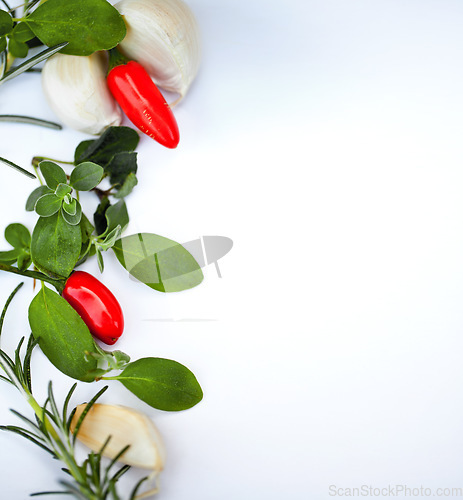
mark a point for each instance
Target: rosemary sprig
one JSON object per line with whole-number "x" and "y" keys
{"x": 51, "y": 430}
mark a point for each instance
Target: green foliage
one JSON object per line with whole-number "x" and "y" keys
{"x": 159, "y": 262}
{"x": 63, "y": 336}
{"x": 6, "y": 23}
{"x": 86, "y": 176}
{"x": 87, "y": 25}
{"x": 56, "y": 246}
{"x": 162, "y": 383}
{"x": 19, "y": 237}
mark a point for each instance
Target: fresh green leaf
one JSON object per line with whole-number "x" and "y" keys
{"x": 121, "y": 166}
{"x": 130, "y": 182}
{"x": 32, "y": 61}
{"x": 99, "y": 258}
{"x": 75, "y": 219}
{"x": 35, "y": 195}
{"x": 88, "y": 25}
{"x": 86, "y": 176}
{"x": 117, "y": 215}
{"x": 63, "y": 336}
{"x": 53, "y": 174}
{"x": 24, "y": 259}
{"x": 47, "y": 205}
{"x": 18, "y": 236}
{"x": 6, "y": 23}
{"x": 10, "y": 256}
{"x": 22, "y": 33}
{"x": 18, "y": 49}
{"x": 162, "y": 383}
{"x": 2, "y": 44}
{"x": 159, "y": 262}
{"x": 55, "y": 246}
{"x": 110, "y": 239}
{"x": 114, "y": 140}
{"x": 99, "y": 217}
{"x": 62, "y": 190}
{"x": 71, "y": 207}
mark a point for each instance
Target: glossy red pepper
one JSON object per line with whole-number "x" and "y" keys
{"x": 96, "y": 305}
{"x": 143, "y": 103}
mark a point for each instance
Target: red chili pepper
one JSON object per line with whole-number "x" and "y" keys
{"x": 96, "y": 305}
{"x": 141, "y": 100}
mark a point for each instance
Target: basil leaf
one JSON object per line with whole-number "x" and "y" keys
{"x": 35, "y": 195}
{"x": 47, "y": 205}
{"x": 113, "y": 140}
{"x": 55, "y": 246}
{"x": 99, "y": 217}
{"x": 53, "y": 174}
{"x": 117, "y": 215}
{"x": 10, "y": 256}
{"x": 86, "y": 176}
{"x": 88, "y": 25}
{"x": 6, "y": 23}
{"x": 129, "y": 183}
{"x": 158, "y": 262}
{"x": 121, "y": 166}
{"x": 162, "y": 383}
{"x": 18, "y": 49}
{"x": 63, "y": 336}
{"x": 18, "y": 236}
{"x": 22, "y": 33}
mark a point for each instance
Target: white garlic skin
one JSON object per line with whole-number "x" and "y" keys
{"x": 76, "y": 90}
{"x": 126, "y": 427}
{"x": 163, "y": 36}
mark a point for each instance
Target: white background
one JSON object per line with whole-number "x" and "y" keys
{"x": 324, "y": 138}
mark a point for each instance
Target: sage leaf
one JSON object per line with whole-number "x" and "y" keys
{"x": 114, "y": 140}
{"x": 55, "y": 246}
{"x": 86, "y": 176}
{"x": 53, "y": 174}
{"x": 162, "y": 383}
{"x": 158, "y": 262}
{"x": 35, "y": 195}
{"x": 18, "y": 236}
{"x": 6, "y": 23}
{"x": 63, "y": 336}
{"x": 88, "y": 25}
{"x": 47, "y": 205}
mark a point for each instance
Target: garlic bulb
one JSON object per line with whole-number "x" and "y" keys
{"x": 75, "y": 88}
{"x": 163, "y": 36}
{"x": 126, "y": 427}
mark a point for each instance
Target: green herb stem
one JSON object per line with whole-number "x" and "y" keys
{"x": 58, "y": 284}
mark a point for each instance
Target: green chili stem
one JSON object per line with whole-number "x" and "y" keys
{"x": 58, "y": 284}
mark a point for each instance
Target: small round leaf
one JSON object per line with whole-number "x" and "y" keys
{"x": 53, "y": 174}
{"x": 47, "y": 205}
{"x": 6, "y": 23}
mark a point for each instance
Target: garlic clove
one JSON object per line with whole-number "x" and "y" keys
{"x": 76, "y": 90}
{"x": 163, "y": 36}
{"x": 126, "y": 427}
